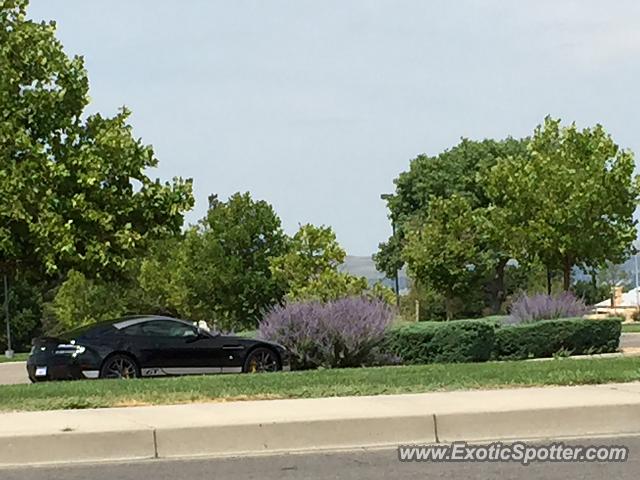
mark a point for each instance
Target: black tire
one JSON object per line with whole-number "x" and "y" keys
{"x": 261, "y": 360}
{"x": 120, "y": 366}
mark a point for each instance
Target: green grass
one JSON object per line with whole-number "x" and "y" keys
{"x": 631, "y": 328}
{"x": 317, "y": 383}
{"x": 18, "y": 357}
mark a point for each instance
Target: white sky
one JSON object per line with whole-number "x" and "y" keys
{"x": 316, "y": 106}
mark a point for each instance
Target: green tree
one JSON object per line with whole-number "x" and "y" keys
{"x": 148, "y": 285}
{"x": 457, "y": 171}
{"x": 157, "y": 279}
{"x": 223, "y": 265}
{"x": 310, "y": 267}
{"x": 73, "y": 189}
{"x": 25, "y": 306}
{"x": 591, "y": 293}
{"x": 568, "y": 201}
{"x": 80, "y": 301}
{"x": 443, "y": 250}
{"x": 612, "y": 275}
{"x": 430, "y": 304}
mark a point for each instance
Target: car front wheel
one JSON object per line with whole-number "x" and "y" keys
{"x": 261, "y": 360}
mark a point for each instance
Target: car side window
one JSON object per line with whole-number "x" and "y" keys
{"x": 167, "y": 328}
{"x": 133, "y": 330}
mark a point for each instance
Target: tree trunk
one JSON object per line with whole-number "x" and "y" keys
{"x": 566, "y": 274}
{"x": 497, "y": 287}
{"x": 548, "y": 281}
{"x": 448, "y": 308}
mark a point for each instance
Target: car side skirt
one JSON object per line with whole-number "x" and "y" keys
{"x": 166, "y": 371}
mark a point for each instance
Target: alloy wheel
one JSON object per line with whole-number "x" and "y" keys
{"x": 120, "y": 367}
{"x": 262, "y": 361}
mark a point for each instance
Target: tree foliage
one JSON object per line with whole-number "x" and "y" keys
{"x": 25, "y": 306}
{"x": 443, "y": 250}
{"x": 157, "y": 279}
{"x": 74, "y": 193}
{"x": 569, "y": 200}
{"x": 309, "y": 268}
{"x": 457, "y": 172}
{"x": 224, "y": 263}
{"x": 218, "y": 271}
{"x": 563, "y": 198}
{"x": 80, "y": 301}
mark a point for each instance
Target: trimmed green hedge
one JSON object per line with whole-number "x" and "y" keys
{"x": 442, "y": 342}
{"x": 481, "y": 340}
{"x": 545, "y": 338}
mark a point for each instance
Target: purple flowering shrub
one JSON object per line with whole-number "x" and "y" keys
{"x": 336, "y": 334}
{"x": 529, "y": 308}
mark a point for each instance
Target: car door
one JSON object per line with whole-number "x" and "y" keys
{"x": 233, "y": 353}
{"x": 179, "y": 349}
{"x": 208, "y": 353}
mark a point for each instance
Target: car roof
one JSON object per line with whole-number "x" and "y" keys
{"x": 129, "y": 321}
{"x": 118, "y": 324}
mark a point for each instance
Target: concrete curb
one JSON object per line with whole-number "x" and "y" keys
{"x": 77, "y": 447}
{"x": 540, "y": 424}
{"x": 298, "y": 436}
{"x": 274, "y": 426}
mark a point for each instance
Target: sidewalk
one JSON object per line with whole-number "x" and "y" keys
{"x": 13, "y": 373}
{"x": 272, "y": 426}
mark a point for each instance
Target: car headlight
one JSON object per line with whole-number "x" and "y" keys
{"x": 69, "y": 349}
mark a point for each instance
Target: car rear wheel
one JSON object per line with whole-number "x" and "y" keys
{"x": 261, "y": 360}
{"x": 120, "y": 366}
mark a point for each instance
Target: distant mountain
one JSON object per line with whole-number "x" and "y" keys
{"x": 366, "y": 267}
{"x": 628, "y": 268}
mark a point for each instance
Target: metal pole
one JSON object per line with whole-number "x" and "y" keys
{"x": 397, "y": 282}
{"x": 9, "y": 352}
{"x": 637, "y": 293}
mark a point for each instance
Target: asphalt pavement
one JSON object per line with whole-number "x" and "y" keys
{"x": 369, "y": 465}
{"x": 630, "y": 340}
{"x": 13, "y": 373}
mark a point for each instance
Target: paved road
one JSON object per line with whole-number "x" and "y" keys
{"x": 630, "y": 340}
{"x": 12, "y": 373}
{"x": 369, "y": 465}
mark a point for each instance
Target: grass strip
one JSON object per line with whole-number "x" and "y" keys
{"x": 18, "y": 357}
{"x": 317, "y": 383}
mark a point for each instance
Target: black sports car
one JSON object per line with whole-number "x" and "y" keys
{"x": 149, "y": 346}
